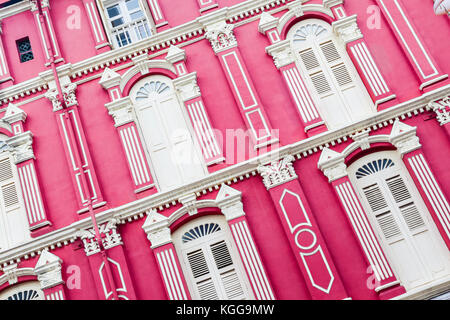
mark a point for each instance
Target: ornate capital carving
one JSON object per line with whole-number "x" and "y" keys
{"x": 21, "y": 146}
{"x": 121, "y": 110}
{"x": 278, "y": 172}
{"x": 404, "y": 137}
{"x": 332, "y": 164}
{"x": 69, "y": 96}
{"x": 110, "y": 237}
{"x": 281, "y": 53}
{"x": 48, "y": 270}
{"x": 187, "y": 86}
{"x": 156, "y": 227}
{"x": 221, "y": 36}
{"x": 442, "y": 110}
{"x": 347, "y": 29}
{"x": 14, "y": 114}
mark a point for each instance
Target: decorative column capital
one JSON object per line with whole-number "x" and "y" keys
{"x": 187, "y": 86}
{"x": 347, "y": 29}
{"x": 175, "y": 54}
{"x": 442, "y": 110}
{"x": 229, "y": 201}
{"x": 267, "y": 22}
{"x": 69, "y": 96}
{"x": 110, "y": 237}
{"x": 404, "y": 137}
{"x": 109, "y": 79}
{"x": 156, "y": 226}
{"x": 14, "y": 114}
{"x": 281, "y": 53}
{"x": 121, "y": 110}
{"x": 48, "y": 270}
{"x": 221, "y": 36}
{"x": 331, "y": 3}
{"x": 332, "y": 164}
{"x": 278, "y": 172}
{"x": 22, "y": 146}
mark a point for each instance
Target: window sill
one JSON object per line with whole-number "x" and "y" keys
{"x": 427, "y": 291}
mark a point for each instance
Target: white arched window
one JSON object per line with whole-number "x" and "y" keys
{"x": 30, "y": 290}
{"x": 167, "y": 133}
{"x": 400, "y": 218}
{"x": 329, "y": 74}
{"x": 14, "y": 227}
{"x": 210, "y": 261}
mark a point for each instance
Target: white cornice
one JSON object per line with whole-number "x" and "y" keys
{"x": 233, "y": 174}
{"x": 14, "y": 9}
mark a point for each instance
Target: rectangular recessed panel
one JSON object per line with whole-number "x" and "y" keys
{"x": 341, "y": 75}
{"x": 232, "y": 285}
{"x": 388, "y": 225}
{"x": 329, "y": 51}
{"x": 320, "y": 82}
{"x": 309, "y": 59}
{"x": 412, "y": 216}
{"x": 207, "y": 290}
{"x": 375, "y": 198}
{"x": 5, "y": 170}
{"x": 198, "y": 263}
{"x": 9, "y": 194}
{"x": 221, "y": 255}
{"x": 398, "y": 188}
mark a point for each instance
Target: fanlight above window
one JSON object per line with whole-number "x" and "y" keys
{"x": 200, "y": 231}
{"x": 373, "y": 166}
{"x": 311, "y": 29}
{"x": 25, "y": 295}
{"x": 150, "y": 89}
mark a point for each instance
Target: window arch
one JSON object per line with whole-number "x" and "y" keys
{"x": 30, "y": 290}
{"x": 400, "y": 219}
{"x": 332, "y": 79}
{"x": 174, "y": 155}
{"x": 210, "y": 261}
{"x": 14, "y": 227}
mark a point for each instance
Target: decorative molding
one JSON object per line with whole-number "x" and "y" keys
{"x": 69, "y": 96}
{"x": 442, "y": 110}
{"x": 48, "y": 270}
{"x": 404, "y": 137}
{"x": 110, "y": 237}
{"x": 221, "y": 36}
{"x": 332, "y": 164}
{"x": 14, "y": 114}
{"x": 140, "y": 62}
{"x": 281, "y": 53}
{"x": 11, "y": 273}
{"x": 189, "y": 203}
{"x": 121, "y": 110}
{"x": 109, "y": 79}
{"x": 229, "y": 201}
{"x": 278, "y": 172}
{"x": 22, "y": 146}
{"x": 267, "y": 22}
{"x": 187, "y": 86}
{"x": 331, "y": 3}
{"x": 175, "y": 55}
{"x": 362, "y": 138}
{"x": 296, "y": 8}
{"x": 347, "y": 29}
{"x": 156, "y": 226}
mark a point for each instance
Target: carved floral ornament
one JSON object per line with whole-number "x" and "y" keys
{"x": 69, "y": 96}
{"x": 20, "y": 146}
{"x": 442, "y": 110}
{"x": 110, "y": 237}
{"x": 278, "y": 172}
{"x": 221, "y": 36}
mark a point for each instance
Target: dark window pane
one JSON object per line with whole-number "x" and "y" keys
{"x": 113, "y": 11}
{"x": 117, "y": 22}
{"x": 24, "y": 49}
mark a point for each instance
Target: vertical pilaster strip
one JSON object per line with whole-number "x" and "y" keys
{"x": 347, "y": 29}
{"x": 95, "y": 21}
{"x": 425, "y": 67}
{"x": 250, "y": 106}
{"x": 251, "y": 259}
{"x": 159, "y": 234}
{"x": 308, "y": 246}
{"x": 5, "y": 74}
{"x": 157, "y": 14}
{"x": 48, "y": 271}
{"x": 206, "y": 5}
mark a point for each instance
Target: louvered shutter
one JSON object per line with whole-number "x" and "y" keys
{"x": 201, "y": 273}
{"x": 414, "y": 247}
{"x": 15, "y": 224}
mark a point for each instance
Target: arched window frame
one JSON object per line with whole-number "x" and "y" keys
{"x": 28, "y": 290}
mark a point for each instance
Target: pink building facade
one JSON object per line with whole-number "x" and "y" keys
{"x": 224, "y": 149}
